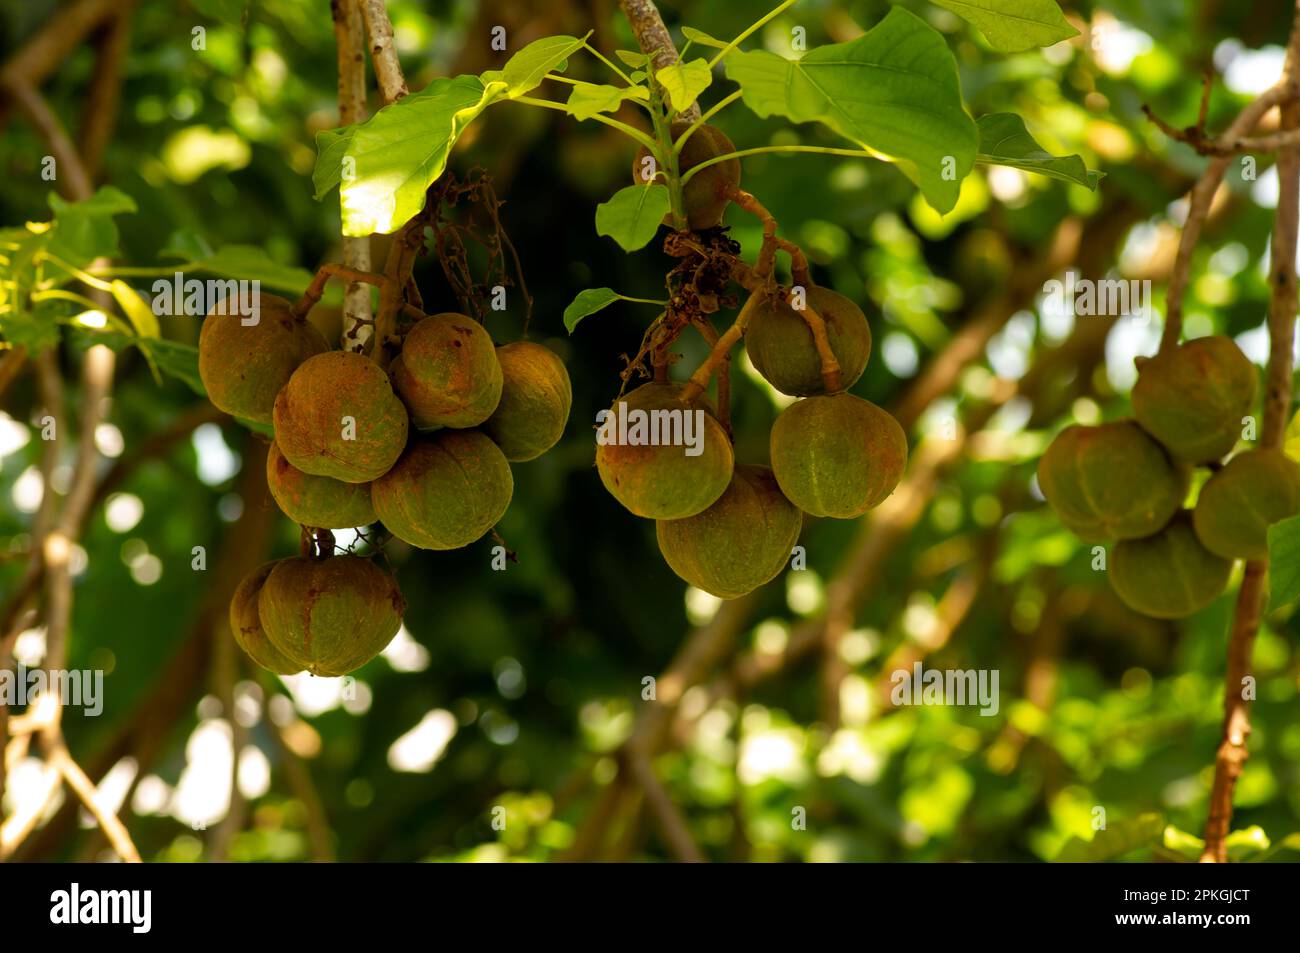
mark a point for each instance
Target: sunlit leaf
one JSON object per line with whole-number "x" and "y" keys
{"x": 586, "y": 101}
{"x": 684, "y": 82}
{"x": 525, "y": 70}
{"x": 893, "y": 90}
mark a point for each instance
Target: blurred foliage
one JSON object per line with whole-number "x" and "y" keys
{"x": 512, "y": 684}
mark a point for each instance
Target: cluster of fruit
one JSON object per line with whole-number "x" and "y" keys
{"x": 1127, "y": 481}
{"x": 728, "y": 528}
{"x": 424, "y": 447}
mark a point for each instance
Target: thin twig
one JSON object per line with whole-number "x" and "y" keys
{"x": 383, "y": 54}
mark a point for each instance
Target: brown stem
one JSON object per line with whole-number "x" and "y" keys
{"x": 653, "y": 38}
{"x": 1230, "y": 759}
{"x": 383, "y": 55}
{"x": 99, "y": 117}
{"x": 1199, "y": 201}
{"x": 349, "y": 40}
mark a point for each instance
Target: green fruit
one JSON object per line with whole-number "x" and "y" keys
{"x": 246, "y": 625}
{"x": 330, "y": 616}
{"x": 706, "y": 195}
{"x": 318, "y": 501}
{"x": 1169, "y": 575}
{"x": 535, "y": 401}
{"x": 447, "y": 490}
{"x": 448, "y": 374}
{"x": 740, "y": 542}
{"x": 645, "y": 459}
{"x": 1193, "y": 398}
{"x": 1238, "y": 504}
{"x": 780, "y": 343}
{"x": 243, "y": 366}
{"x": 837, "y": 455}
{"x": 338, "y": 417}
{"x": 1111, "y": 481}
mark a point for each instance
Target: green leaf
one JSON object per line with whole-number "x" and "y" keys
{"x": 525, "y": 70}
{"x": 85, "y": 230}
{"x": 893, "y": 90}
{"x": 1247, "y": 842}
{"x": 1283, "y": 563}
{"x": 385, "y": 165}
{"x": 251, "y": 263}
{"x": 141, "y": 316}
{"x": 1145, "y": 830}
{"x": 227, "y": 11}
{"x": 186, "y": 245}
{"x": 173, "y": 358}
{"x": 586, "y": 101}
{"x": 632, "y": 57}
{"x": 684, "y": 82}
{"x": 1014, "y": 25}
{"x": 633, "y": 215}
{"x": 1290, "y": 842}
{"x": 702, "y": 38}
{"x": 1004, "y": 140}
{"x": 593, "y": 300}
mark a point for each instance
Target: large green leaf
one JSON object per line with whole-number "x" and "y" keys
{"x": 893, "y": 90}
{"x": 1284, "y": 562}
{"x": 1014, "y": 25}
{"x": 1004, "y": 140}
{"x": 385, "y": 165}
{"x": 633, "y": 215}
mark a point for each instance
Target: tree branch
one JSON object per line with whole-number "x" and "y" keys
{"x": 1230, "y": 759}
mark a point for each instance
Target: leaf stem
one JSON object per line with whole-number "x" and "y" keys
{"x": 740, "y": 153}
{"x": 717, "y": 108}
{"x": 629, "y": 131}
{"x": 749, "y": 31}
{"x": 604, "y": 59}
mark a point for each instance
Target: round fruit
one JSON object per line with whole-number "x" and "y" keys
{"x": 780, "y": 343}
{"x": 447, "y": 490}
{"x": 737, "y": 544}
{"x": 706, "y": 195}
{"x": 1111, "y": 481}
{"x": 317, "y": 501}
{"x": 1193, "y": 399}
{"x": 338, "y": 417}
{"x": 247, "y": 629}
{"x": 330, "y": 616}
{"x": 1168, "y": 575}
{"x": 535, "y": 401}
{"x": 837, "y": 455}
{"x": 244, "y": 366}
{"x": 1237, "y": 504}
{"x": 448, "y": 374}
{"x": 661, "y": 457}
